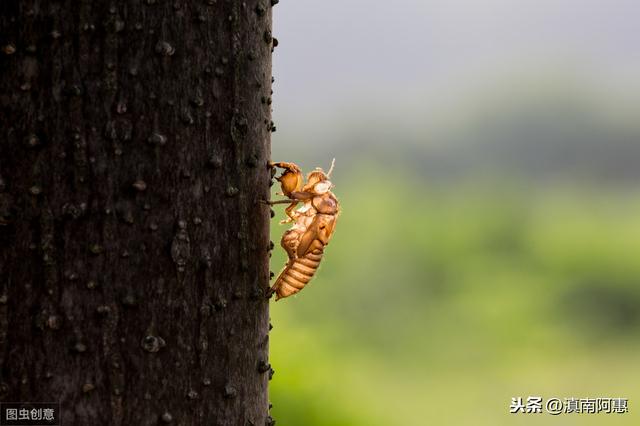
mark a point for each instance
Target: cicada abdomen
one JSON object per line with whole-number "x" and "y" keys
{"x": 305, "y": 248}
{"x": 297, "y": 273}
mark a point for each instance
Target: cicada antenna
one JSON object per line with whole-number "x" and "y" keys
{"x": 333, "y": 163}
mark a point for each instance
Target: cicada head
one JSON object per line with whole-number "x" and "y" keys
{"x": 318, "y": 182}
{"x": 313, "y": 178}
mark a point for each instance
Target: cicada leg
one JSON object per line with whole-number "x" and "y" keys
{"x": 291, "y": 179}
{"x": 290, "y": 211}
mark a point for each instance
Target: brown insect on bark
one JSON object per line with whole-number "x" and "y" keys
{"x": 313, "y": 225}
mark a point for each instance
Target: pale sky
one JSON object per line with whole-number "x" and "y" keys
{"x": 341, "y": 55}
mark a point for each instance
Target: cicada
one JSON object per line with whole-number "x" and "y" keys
{"x": 313, "y": 225}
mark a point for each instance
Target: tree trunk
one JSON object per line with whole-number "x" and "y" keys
{"x": 134, "y": 256}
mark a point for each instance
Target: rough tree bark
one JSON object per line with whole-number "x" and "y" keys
{"x": 133, "y": 255}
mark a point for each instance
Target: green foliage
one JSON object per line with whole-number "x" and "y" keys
{"x": 436, "y": 305}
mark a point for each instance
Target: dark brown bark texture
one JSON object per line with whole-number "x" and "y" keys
{"x": 133, "y": 253}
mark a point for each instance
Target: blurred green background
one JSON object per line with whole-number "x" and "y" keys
{"x": 487, "y": 168}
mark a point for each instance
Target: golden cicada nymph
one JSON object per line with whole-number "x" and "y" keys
{"x": 313, "y": 225}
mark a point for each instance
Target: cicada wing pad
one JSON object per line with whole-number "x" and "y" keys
{"x": 319, "y": 232}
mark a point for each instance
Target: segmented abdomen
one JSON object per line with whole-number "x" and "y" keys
{"x": 297, "y": 273}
